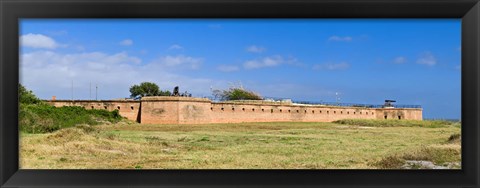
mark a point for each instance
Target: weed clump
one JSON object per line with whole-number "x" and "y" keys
{"x": 455, "y": 138}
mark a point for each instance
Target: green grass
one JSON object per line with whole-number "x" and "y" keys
{"x": 238, "y": 146}
{"x": 397, "y": 123}
{"x": 44, "y": 118}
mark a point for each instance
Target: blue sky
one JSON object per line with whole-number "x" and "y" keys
{"x": 413, "y": 61}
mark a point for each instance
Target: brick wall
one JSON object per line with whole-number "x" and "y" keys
{"x": 185, "y": 110}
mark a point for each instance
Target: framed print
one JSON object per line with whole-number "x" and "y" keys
{"x": 239, "y": 93}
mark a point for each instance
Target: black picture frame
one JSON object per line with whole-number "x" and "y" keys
{"x": 11, "y": 11}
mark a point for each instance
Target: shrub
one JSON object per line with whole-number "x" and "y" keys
{"x": 26, "y": 96}
{"x": 236, "y": 93}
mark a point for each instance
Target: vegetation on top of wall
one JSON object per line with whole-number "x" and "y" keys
{"x": 236, "y": 93}
{"x": 38, "y": 117}
{"x": 397, "y": 123}
{"x": 147, "y": 89}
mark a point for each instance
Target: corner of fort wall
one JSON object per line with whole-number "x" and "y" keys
{"x": 188, "y": 110}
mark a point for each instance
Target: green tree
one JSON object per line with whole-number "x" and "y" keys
{"x": 147, "y": 89}
{"x": 236, "y": 93}
{"x": 26, "y": 96}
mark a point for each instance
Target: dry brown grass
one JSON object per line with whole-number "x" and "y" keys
{"x": 224, "y": 146}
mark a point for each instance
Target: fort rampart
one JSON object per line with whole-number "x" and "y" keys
{"x": 188, "y": 110}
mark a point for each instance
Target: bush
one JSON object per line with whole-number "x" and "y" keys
{"x": 147, "y": 89}
{"x": 43, "y": 118}
{"x": 236, "y": 93}
{"x": 26, "y": 96}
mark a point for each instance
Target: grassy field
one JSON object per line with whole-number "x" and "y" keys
{"x": 352, "y": 144}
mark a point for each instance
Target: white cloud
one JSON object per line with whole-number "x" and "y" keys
{"x": 180, "y": 61}
{"x": 255, "y": 49}
{"x": 427, "y": 58}
{"x": 228, "y": 68}
{"x": 126, "y": 42}
{"x": 271, "y": 61}
{"x": 49, "y": 73}
{"x": 37, "y": 41}
{"x": 400, "y": 60}
{"x": 175, "y": 47}
{"x": 340, "y": 39}
{"x": 331, "y": 66}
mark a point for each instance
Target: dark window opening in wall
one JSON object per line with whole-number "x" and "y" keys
{"x": 360, "y": 113}
{"x": 105, "y": 107}
{"x": 243, "y": 109}
{"x": 334, "y": 112}
{"x": 118, "y": 107}
{"x": 320, "y": 111}
{"x": 288, "y": 111}
{"x": 271, "y": 111}
{"x": 354, "y": 113}
{"x": 222, "y": 108}
{"x": 328, "y": 112}
{"x": 298, "y": 111}
{"x": 253, "y": 109}
{"x": 385, "y": 117}
{"x": 211, "y": 108}
{"x": 366, "y": 113}
{"x": 131, "y": 107}
{"x": 313, "y": 111}
{"x": 372, "y": 113}
{"x": 341, "y": 112}
{"x": 92, "y": 107}
{"x": 399, "y": 117}
{"x": 348, "y": 112}
{"x": 280, "y": 110}
{"x": 233, "y": 109}
{"x": 305, "y": 111}
{"x": 263, "y": 110}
